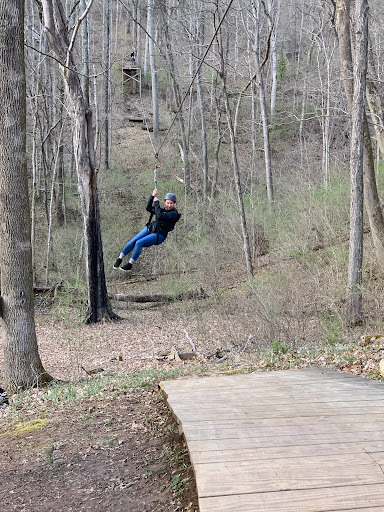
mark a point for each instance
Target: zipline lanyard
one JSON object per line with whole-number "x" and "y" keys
{"x": 196, "y": 72}
{"x": 155, "y": 169}
{"x": 184, "y": 98}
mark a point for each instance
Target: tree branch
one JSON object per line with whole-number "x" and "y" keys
{"x": 76, "y": 29}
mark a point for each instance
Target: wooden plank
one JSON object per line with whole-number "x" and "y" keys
{"x": 293, "y": 441}
{"x": 309, "y": 500}
{"x": 331, "y": 459}
{"x": 235, "y": 478}
{"x": 369, "y": 509}
{"x": 202, "y": 431}
{"x": 280, "y": 378}
{"x": 310, "y": 439}
{"x": 260, "y": 398}
{"x": 254, "y": 383}
{"x": 185, "y": 413}
{"x": 278, "y": 452}
{"x": 239, "y": 423}
{"x": 246, "y": 405}
{"x": 378, "y": 457}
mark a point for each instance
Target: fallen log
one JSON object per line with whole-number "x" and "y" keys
{"x": 199, "y": 294}
{"x": 50, "y": 290}
{"x": 120, "y": 297}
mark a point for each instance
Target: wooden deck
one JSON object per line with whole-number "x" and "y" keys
{"x": 292, "y": 441}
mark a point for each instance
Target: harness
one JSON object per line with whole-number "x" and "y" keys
{"x": 157, "y": 227}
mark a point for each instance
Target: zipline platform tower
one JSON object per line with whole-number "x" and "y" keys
{"x": 131, "y": 80}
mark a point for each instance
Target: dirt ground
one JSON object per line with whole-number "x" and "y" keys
{"x": 120, "y": 450}
{"x": 120, "y": 454}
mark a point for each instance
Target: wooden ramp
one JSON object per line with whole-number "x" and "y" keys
{"x": 291, "y": 441}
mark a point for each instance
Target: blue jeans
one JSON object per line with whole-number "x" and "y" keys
{"x": 142, "y": 239}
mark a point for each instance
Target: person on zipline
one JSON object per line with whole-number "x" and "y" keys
{"x": 155, "y": 232}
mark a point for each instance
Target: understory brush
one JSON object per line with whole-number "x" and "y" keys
{"x": 299, "y": 246}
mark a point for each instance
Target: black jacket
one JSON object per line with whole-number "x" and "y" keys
{"x": 165, "y": 219}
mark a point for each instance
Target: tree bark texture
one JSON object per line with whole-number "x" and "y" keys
{"x": 235, "y": 162}
{"x": 22, "y": 364}
{"x": 177, "y": 96}
{"x": 356, "y": 164}
{"x": 107, "y": 44}
{"x": 263, "y": 104}
{"x": 152, "y": 59}
{"x": 56, "y": 28}
{"x": 371, "y": 196}
{"x": 200, "y": 30}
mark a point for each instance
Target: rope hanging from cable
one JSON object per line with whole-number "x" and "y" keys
{"x": 156, "y": 153}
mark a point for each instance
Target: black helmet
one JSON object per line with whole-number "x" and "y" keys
{"x": 170, "y": 197}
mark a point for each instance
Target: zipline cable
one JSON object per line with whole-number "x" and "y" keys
{"x": 157, "y": 166}
{"x": 156, "y": 153}
{"x": 197, "y": 71}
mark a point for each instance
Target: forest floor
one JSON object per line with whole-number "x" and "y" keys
{"x": 121, "y": 454}
{"x": 105, "y": 440}
{"x": 102, "y": 437}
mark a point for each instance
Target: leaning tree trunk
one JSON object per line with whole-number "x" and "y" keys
{"x": 56, "y": 28}
{"x": 371, "y": 196}
{"x": 22, "y": 364}
{"x": 235, "y": 162}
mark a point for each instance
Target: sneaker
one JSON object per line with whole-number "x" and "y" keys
{"x": 127, "y": 267}
{"x": 117, "y": 263}
{"x": 3, "y": 399}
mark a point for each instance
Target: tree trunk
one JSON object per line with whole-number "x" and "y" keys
{"x": 152, "y": 60}
{"x": 273, "y": 21}
{"x": 56, "y": 28}
{"x": 85, "y": 54}
{"x": 355, "y": 266}
{"x": 200, "y": 93}
{"x": 263, "y": 105}
{"x": 177, "y": 96}
{"x": 107, "y": 44}
{"x": 139, "y": 35}
{"x": 376, "y": 102}
{"x": 22, "y": 364}
{"x": 371, "y": 196}
{"x": 236, "y": 169}
{"x": 217, "y": 147}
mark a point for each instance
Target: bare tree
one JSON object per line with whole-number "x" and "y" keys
{"x": 56, "y": 28}
{"x": 22, "y": 364}
{"x": 256, "y": 5}
{"x": 371, "y": 196}
{"x": 356, "y": 164}
{"x": 235, "y": 162}
{"x": 200, "y": 31}
{"x": 176, "y": 92}
{"x": 152, "y": 60}
{"x": 273, "y": 21}
{"x": 107, "y": 60}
